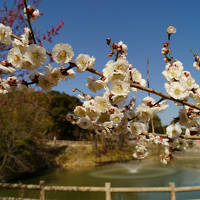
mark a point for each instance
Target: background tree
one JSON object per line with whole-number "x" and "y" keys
{"x": 62, "y": 104}
{"x": 24, "y": 121}
{"x": 158, "y": 128}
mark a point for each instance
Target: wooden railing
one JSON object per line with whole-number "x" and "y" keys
{"x": 107, "y": 189}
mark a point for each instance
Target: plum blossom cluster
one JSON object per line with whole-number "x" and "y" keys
{"x": 108, "y": 114}
{"x": 25, "y": 55}
{"x": 32, "y": 13}
{"x": 181, "y": 85}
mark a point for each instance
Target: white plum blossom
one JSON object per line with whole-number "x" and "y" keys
{"x": 45, "y": 83}
{"x": 108, "y": 124}
{"x": 136, "y": 77}
{"x": 141, "y": 152}
{"x": 144, "y": 113}
{"x": 101, "y": 104}
{"x": 171, "y": 29}
{"x": 84, "y": 123}
{"x": 116, "y": 99}
{"x": 5, "y": 34}
{"x": 92, "y": 113}
{"x": 160, "y": 106}
{"x": 188, "y": 117}
{"x": 24, "y": 39}
{"x": 121, "y": 65}
{"x": 94, "y": 84}
{"x": 33, "y": 13}
{"x": 196, "y": 65}
{"x": 173, "y": 130}
{"x": 51, "y": 77}
{"x": 119, "y": 75}
{"x": 62, "y": 53}
{"x": 187, "y": 132}
{"x": 177, "y": 90}
{"x": 178, "y": 64}
{"x": 6, "y": 70}
{"x": 119, "y": 87}
{"x": 189, "y": 82}
{"x": 4, "y": 86}
{"x": 117, "y": 117}
{"x": 84, "y": 61}
{"x": 71, "y": 73}
{"x": 36, "y": 55}
{"x": 80, "y": 111}
{"x": 108, "y": 70}
{"x": 13, "y": 83}
{"x": 164, "y": 159}
{"x": 138, "y": 128}
{"x": 15, "y": 57}
{"x": 148, "y": 101}
{"x": 123, "y": 46}
{"x": 173, "y": 73}
{"x": 196, "y": 96}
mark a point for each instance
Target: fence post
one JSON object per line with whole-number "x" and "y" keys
{"x": 172, "y": 193}
{"x": 42, "y": 191}
{"x": 108, "y": 192}
{"x": 21, "y": 191}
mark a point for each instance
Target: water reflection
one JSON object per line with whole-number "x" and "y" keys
{"x": 126, "y": 171}
{"x": 184, "y": 172}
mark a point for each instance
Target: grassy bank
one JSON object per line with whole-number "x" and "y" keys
{"x": 84, "y": 155}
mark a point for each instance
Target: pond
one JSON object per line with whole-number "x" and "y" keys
{"x": 185, "y": 171}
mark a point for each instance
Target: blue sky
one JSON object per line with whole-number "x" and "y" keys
{"x": 141, "y": 24}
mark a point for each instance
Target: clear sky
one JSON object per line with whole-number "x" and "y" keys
{"x": 141, "y": 24}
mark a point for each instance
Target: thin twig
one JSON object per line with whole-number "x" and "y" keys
{"x": 152, "y": 124}
{"x": 164, "y": 96}
{"x": 29, "y": 22}
{"x": 16, "y": 37}
{"x": 148, "y": 72}
{"x": 194, "y": 54}
{"x": 169, "y": 48}
{"x": 150, "y": 90}
{"x": 157, "y": 102}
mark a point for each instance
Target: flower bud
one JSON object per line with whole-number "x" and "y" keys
{"x": 171, "y": 30}
{"x": 197, "y": 58}
{"x": 110, "y": 54}
{"x": 5, "y": 63}
{"x": 165, "y": 44}
{"x": 108, "y": 40}
{"x": 166, "y": 59}
{"x": 74, "y": 90}
{"x": 119, "y": 50}
{"x": 164, "y": 51}
{"x": 114, "y": 46}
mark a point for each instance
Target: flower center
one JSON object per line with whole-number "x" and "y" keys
{"x": 189, "y": 82}
{"x": 173, "y": 73}
{"x": 62, "y": 54}
{"x": 119, "y": 88}
{"x": 116, "y": 119}
{"x": 120, "y": 67}
{"x": 16, "y": 58}
{"x": 177, "y": 91}
{"x": 83, "y": 63}
{"x": 174, "y": 132}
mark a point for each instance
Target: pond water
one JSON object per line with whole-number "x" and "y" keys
{"x": 184, "y": 172}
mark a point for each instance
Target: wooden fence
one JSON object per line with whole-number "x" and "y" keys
{"x": 107, "y": 189}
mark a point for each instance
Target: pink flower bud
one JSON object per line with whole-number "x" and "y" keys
{"x": 108, "y": 40}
